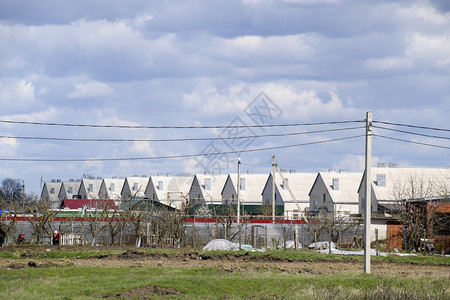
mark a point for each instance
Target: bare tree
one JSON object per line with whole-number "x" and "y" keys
{"x": 419, "y": 216}
{"x": 12, "y": 189}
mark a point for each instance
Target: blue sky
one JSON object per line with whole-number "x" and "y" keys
{"x": 203, "y": 63}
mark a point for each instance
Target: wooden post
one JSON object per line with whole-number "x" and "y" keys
{"x": 265, "y": 233}
{"x": 329, "y": 240}
{"x": 376, "y": 239}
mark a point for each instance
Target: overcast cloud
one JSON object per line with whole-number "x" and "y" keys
{"x": 198, "y": 63}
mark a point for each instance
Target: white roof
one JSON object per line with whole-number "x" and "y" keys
{"x": 254, "y": 185}
{"x": 299, "y": 183}
{"x": 217, "y": 183}
{"x": 142, "y": 183}
{"x": 171, "y": 184}
{"x": 118, "y": 185}
{"x": 348, "y": 186}
{"x": 75, "y": 185}
{"x": 96, "y": 183}
{"x": 48, "y": 186}
{"x": 427, "y": 182}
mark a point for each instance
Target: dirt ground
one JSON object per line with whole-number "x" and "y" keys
{"x": 230, "y": 262}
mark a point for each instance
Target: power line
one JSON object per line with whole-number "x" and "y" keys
{"x": 413, "y": 133}
{"x": 412, "y": 126}
{"x": 411, "y": 142}
{"x": 177, "y": 156}
{"x": 175, "y": 127}
{"x": 177, "y": 139}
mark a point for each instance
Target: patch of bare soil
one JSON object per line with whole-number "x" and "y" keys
{"x": 144, "y": 292}
{"x": 230, "y": 262}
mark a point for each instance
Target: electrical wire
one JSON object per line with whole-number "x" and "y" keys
{"x": 413, "y": 133}
{"x": 177, "y": 139}
{"x": 412, "y": 126}
{"x": 178, "y": 156}
{"x": 411, "y": 142}
{"x": 175, "y": 127}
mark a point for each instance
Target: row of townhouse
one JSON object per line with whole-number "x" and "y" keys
{"x": 316, "y": 192}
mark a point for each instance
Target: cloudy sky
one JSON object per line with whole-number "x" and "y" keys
{"x": 207, "y": 63}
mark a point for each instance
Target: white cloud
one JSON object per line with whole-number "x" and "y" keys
{"x": 91, "y": 89}
{"x": 142, "y": 148}
{"x": 8, "y": 147}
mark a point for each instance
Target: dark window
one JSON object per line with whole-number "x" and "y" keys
{"x": 441, "y": 224}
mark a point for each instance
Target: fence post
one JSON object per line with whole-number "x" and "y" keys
{"x": 376, "y": 240}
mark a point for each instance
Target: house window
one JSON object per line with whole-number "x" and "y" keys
{"x": 70, "y": 190}
{"x": 324, "y": 197}
{"x": 52, "y": 190}
{"x": 91, "y": 188}
{"x": 154, "y": 196}
{"x": 135, "y": 186}
{"x": 336, "y": 184}
{"x": 207, "y": 184}
{"x": 381, "y": 179}
{"x": 160, "y": 185}
{"x": 242, "y": 184}
{"x": 111, "y": 187}
{"x": 285, "y": 183}
{"x": 267, "y": 201}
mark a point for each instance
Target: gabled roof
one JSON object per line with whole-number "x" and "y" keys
{"x": 47, "y": 188}
{"x": 96, "y": 183}
{"x": 106, "y": 184}
{"x": 398, "y": 182}
{"x": 99, "y": 204}
{"x": 347, "y": 193}
{"x": 217, "y": 183}
{"x": 64, "y": 191}
{"x": 299, "y": 183}
{"x": 142, "y": 183}
{"x": 254, "y": 185}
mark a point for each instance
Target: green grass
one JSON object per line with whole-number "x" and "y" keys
{"x": 213, "y": 283}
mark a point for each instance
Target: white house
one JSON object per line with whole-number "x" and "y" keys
{"x": 89, "y": 188}
{"x": 207, "y": 188}
{"x": 69, "y": 189}
{"x": 170, "y": 190}
{"x": 50, "y": 192}
{"x": 299, "y": 183}
{"x": 111, "y": 188}
{"x": 392, "y": 184}
{"x": 335, "y": 192}
{"x": 251, "y": 187}
{"x": 134, "y": 187}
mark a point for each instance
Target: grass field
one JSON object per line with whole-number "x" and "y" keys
{"x": 56, "y": 281}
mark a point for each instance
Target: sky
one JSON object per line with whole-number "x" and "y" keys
{"x": 207, "y": 63}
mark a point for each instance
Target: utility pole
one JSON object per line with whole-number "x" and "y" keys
{"x": 273, "y": 188}
{"x": 237, "y": 192}
{"x": 367, "y": 208}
